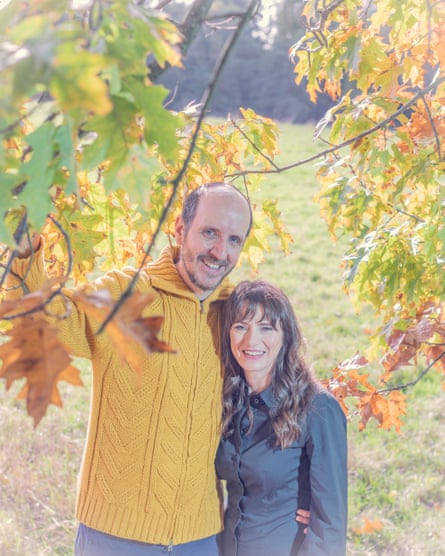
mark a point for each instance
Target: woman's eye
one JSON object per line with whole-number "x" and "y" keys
{"x": 238, "y": 327}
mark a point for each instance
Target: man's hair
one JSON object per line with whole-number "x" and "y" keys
{"x": 191, "y": 202}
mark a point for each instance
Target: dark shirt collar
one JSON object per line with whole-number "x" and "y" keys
{"x": 266, "y": 396}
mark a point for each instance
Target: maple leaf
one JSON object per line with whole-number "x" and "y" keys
{"x": 35, "y": 353}
{"x": 127, "y": 326}
{"x": 405, "y": 345}
{"x": 437, "y": 354}
{"x": 386, "y": 410}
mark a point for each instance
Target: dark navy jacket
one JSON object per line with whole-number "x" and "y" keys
{"x": 266, "y": 484}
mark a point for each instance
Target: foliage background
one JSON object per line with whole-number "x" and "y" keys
{"x": 382, "y": 196}
{"x": 397, "y": 481}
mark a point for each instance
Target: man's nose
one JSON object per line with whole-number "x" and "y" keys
{"x": 219, "y": 249}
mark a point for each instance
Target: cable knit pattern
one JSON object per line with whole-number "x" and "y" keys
{"x": 148, "y": 467}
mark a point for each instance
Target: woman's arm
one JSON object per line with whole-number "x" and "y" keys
{"x": 327, "y": 451}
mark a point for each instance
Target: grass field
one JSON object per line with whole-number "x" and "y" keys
{"x": 397, "y": 481}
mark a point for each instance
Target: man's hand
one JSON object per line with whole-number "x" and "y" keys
{"x": 302, "y": 516}
{"x": 28, "y": 246}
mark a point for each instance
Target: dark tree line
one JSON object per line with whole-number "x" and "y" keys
{"x": 258, "y": 74}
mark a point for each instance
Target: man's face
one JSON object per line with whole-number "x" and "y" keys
{"x": 212, "y": 244}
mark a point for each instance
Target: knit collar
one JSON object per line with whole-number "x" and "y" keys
{"x": 164, "y": 276}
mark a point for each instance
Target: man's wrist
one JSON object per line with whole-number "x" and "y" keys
{"x": 29, "y": 245}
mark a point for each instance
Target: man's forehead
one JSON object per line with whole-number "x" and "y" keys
{"x": 222, "y": 199}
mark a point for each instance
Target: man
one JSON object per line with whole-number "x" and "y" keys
{"x": 147, "y": 483}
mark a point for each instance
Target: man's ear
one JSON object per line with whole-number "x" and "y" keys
{"x": 179, "y": 230}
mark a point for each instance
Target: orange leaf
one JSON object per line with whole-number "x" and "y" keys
{"x": 127, "y": 327}
{"x": 35, "y": 353}
{"x": 30, "y": 302}
{"x": 386, "y": 410}
{"x": 394, "y": 407}
{"x": 368, "y": 527}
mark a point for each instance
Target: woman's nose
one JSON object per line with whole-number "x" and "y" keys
{"x": 251, "y": 336}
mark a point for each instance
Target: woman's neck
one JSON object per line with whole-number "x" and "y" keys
{"x": 257, "y": 384}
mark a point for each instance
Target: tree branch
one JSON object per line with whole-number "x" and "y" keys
{"x": 415, "y": 381}
{"x": 189, "y": 29}
{"x": 249, "y": 140}
{"x": 205, "y": 100}
{"x": 387, "y": 121}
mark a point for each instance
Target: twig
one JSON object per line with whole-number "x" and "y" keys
{"x": 350, "y": 141}
{"x": 205, "y": 100}
{"x": 56, "y": 292}
{"x": 416, "y": 380}
{"x": 248, "y": 139}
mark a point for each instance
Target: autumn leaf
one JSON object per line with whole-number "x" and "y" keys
{"x": 34, "y": 353}
{"x": 369, "y": 526}
{"x": 127, "y": 328}
{"x": 355, "y": 362}
{"x": 385, "y": 409}
{"x": 28, "y": 303}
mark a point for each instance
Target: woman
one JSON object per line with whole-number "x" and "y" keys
{"x": 284, "y": 436}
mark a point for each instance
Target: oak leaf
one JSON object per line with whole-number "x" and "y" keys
{"x": 35, "y": 353}
{"x": 128, "y": 328}
{"x": 28, "y": 303}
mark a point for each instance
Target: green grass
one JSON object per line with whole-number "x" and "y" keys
{"x": 395, "y": 479}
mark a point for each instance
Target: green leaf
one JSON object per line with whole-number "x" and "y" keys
{"x": 138, "y": 174}
{"x": 112, "y": 141}
{"x": 39, "y": 172}
{"x": 76, "y": 82}
{"x": 64, "y": 140}
{"x": 9, "y": 222}
{"x": 160, "y": 124}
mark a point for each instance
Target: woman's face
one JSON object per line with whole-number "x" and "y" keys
{"x": 255, "y": 345}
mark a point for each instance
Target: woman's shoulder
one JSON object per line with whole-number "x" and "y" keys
{"x": 324, "y": 405}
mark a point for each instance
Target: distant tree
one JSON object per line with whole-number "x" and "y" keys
{"x": 258, "y": 74}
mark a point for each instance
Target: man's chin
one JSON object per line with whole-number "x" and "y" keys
{"x": 208, "y": 285}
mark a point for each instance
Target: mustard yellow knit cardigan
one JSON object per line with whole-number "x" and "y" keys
{"x": 148, "y": 467}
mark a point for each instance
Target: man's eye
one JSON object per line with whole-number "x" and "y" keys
{"x": 209, "y": 233}
{"x": 235, "y": 240}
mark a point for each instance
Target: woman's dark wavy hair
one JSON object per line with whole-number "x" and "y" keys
{"x": 293, "y": 383}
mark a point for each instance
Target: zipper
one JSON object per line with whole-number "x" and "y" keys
{"x": 170, "y": 546}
